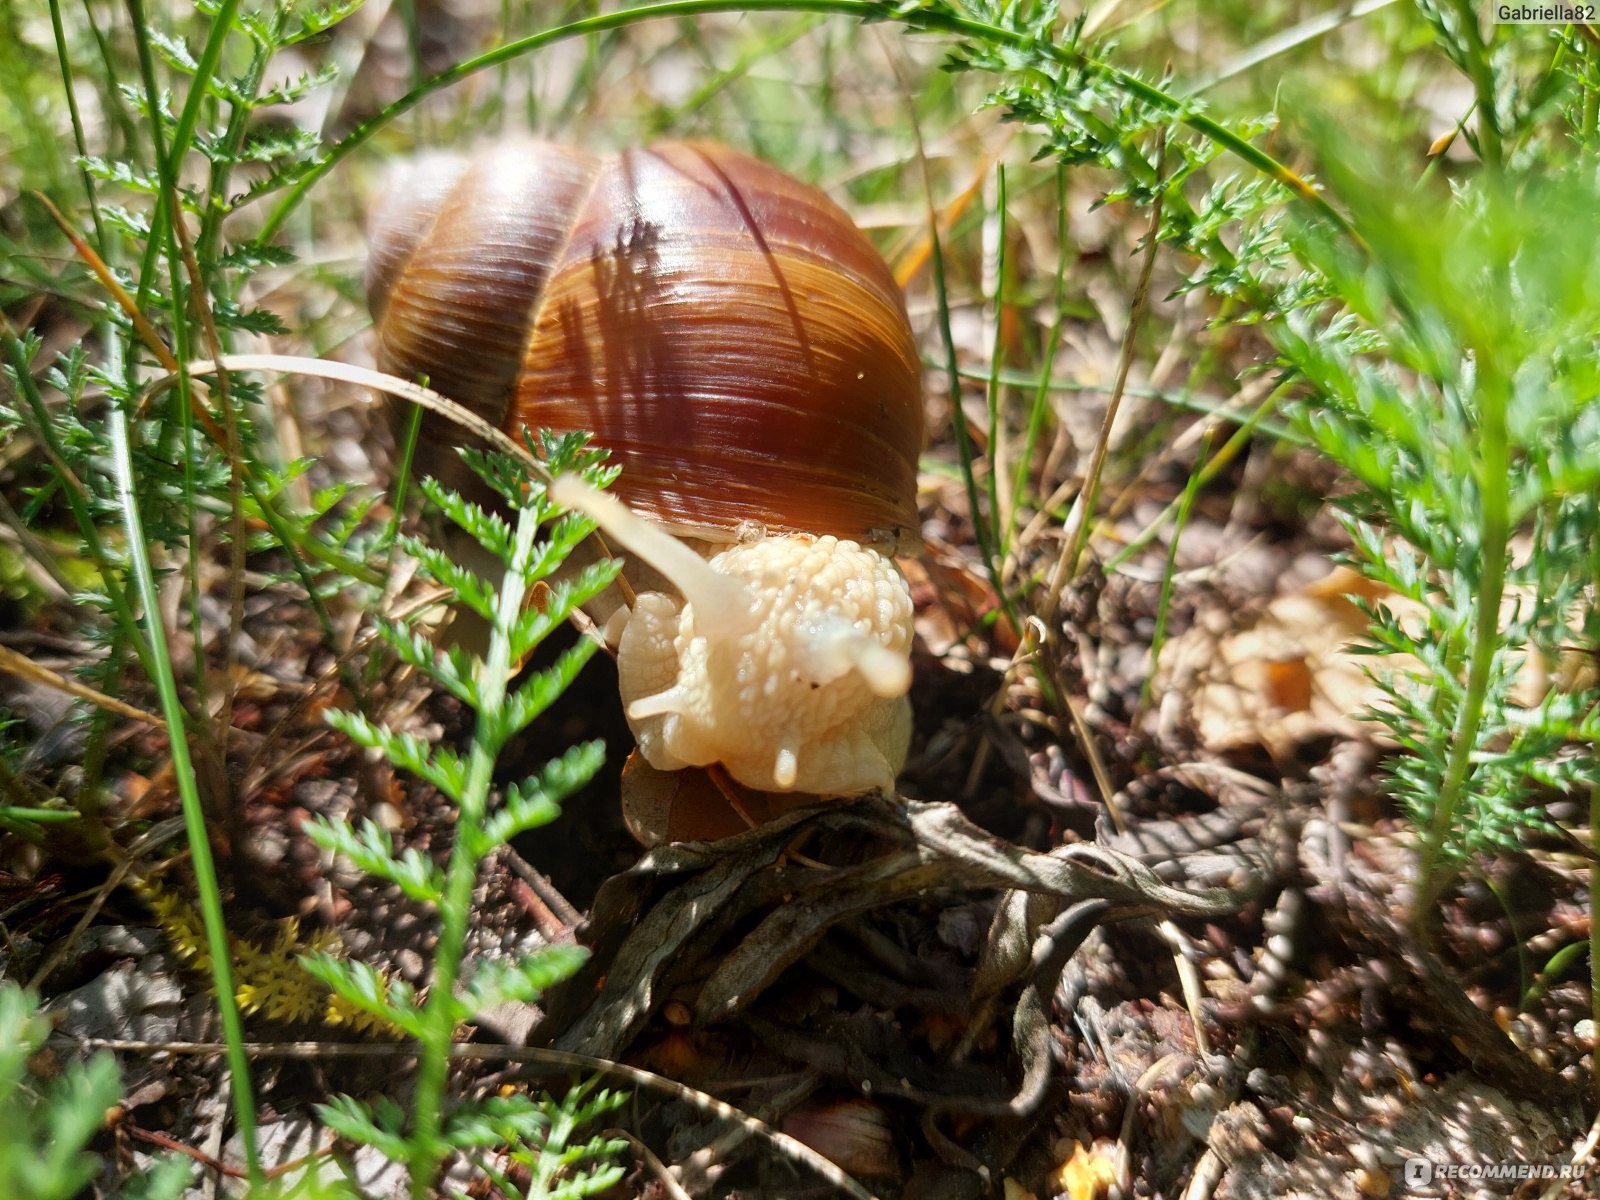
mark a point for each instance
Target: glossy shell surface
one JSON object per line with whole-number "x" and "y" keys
{"x": 723, "y": 329}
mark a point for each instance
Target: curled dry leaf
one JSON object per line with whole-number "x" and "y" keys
{"x": 1289, "y": 674}
{"x": 1284, "y": 677}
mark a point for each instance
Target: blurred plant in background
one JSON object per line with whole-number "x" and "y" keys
{"x": 49, "y": 1125}
{"x": 1454, "y": 376}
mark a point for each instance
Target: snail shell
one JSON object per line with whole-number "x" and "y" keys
{"x": 723, "y": 329}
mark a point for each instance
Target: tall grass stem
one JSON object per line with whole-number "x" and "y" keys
{"x": 194, "y": 818}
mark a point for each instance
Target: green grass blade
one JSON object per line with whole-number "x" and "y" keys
{"x": 194, "y": 817}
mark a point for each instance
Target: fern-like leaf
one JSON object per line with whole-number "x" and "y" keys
{"x": 370, "y": 848}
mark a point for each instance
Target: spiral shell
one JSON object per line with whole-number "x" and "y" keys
{"x": 723, "y": 329}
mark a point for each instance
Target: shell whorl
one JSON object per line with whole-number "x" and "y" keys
{"x": 723, "y": 329}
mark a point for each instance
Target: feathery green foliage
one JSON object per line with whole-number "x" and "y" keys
{"x": 1455, "y": 376}
{"x": 1446, "y": 343}
{"x": 42, "y": 1155}
{"x": 49, "y": 1124}
{"x": 538, "y": 1132}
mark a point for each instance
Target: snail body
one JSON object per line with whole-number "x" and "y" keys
{"x": 740, "y": 348}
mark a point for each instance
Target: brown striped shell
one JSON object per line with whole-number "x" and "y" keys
{"x": 723, "y": 329}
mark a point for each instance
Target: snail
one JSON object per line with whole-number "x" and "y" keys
{"x": 742, "y": 351}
